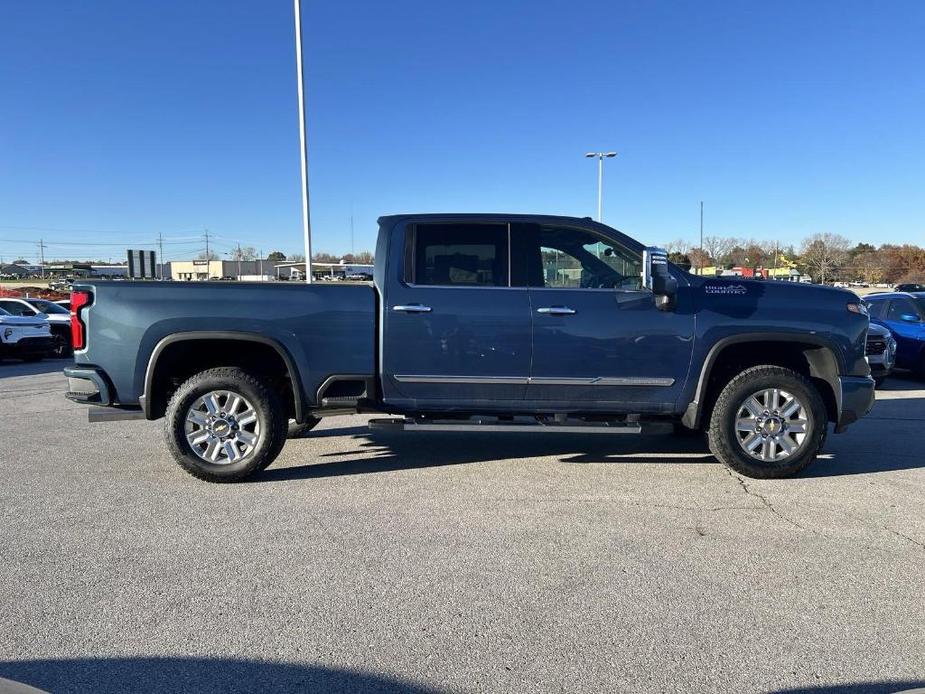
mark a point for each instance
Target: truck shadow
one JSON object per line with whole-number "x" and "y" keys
{"x": 195, "y": 675}
{"x": 387, "y": 452}
{"x": 878, "y": 443}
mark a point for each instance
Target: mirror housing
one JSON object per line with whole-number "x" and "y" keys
{"x": 657, "y": 279}
{"x": 909, "y": 318}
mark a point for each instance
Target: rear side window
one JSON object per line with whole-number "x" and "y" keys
{"x": 459, "y": 255}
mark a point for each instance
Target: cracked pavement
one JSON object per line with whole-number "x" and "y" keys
{"x": 451, "y": 562}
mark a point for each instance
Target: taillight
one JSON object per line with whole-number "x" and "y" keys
{"x": 79, "y": 299}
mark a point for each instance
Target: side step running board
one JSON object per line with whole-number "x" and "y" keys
{"x": 573, "y": 427}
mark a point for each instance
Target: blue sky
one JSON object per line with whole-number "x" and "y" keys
{"x": 121, "y": 120}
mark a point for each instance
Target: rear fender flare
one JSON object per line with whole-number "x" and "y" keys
{"x": 145, "y": 400}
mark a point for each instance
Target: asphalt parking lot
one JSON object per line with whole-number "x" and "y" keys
{"x": 444, "y": 562}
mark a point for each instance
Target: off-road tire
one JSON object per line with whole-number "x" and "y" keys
{"x": 722, "y": 436}
{"x": 266, "y": 403}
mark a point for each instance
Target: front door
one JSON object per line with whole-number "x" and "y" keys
{"x": 455, "y": 334}
{"x": 599, "y": 342}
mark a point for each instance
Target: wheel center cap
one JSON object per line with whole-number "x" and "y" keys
{"x": 221, "y": 427}
{"x": 771, "y": 426}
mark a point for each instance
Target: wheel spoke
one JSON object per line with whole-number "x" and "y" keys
{"x": 753, "y": 406}
{"x": 211, "y": 403}
{"x": 247, "y": 438}
{"x": 746, "y": 424}
{"x": 787, "y": 444}
{"x": 196, "y": 417}
{"x": 766, "y": 449}
{"x": 752, "y": 442}
{"x": 247, "y": 417}
{"x": 234, "y": 402}
{"x": 797, "y": 426}
{"x": 231, "y": 451}
{"x": 212, "y": 451}
{"x": 790, "y": 408}
{"x": 197, "y": 437}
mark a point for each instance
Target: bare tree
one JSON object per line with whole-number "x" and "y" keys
{"x": 364, "y": 258}
{"x": 677, "y": 246}
{"x": 717, "y": 247}
{"x": 699, "y": 259}
{"x": 244, "y": 253}
{"x": 824, "y": 253}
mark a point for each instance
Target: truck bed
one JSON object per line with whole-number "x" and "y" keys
{"x": 324, "y": 329}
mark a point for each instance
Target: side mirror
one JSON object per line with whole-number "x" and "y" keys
{"x": 909, "y": 318}
{"x": 655, "y": 277}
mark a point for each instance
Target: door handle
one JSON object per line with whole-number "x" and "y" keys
{"x": 412, "y": 308}
{"x": 557, "y": 310}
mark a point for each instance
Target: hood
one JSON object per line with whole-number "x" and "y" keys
{"x": 878, "y": 330}
{"x": 777, "y": 289}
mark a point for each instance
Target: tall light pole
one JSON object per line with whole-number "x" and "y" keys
{"x": 303, "y": 142}
{"x": 701, "y": 239}
{"x": 600, "y": 179}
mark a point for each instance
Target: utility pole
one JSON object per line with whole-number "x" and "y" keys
{"x": 260, "y": 258}
{"x": 600, "y": 179}
{"x": 352, "y": 249}
{"x": 239, "y": 260}
{"x": 42, "y": 256}
{"x": 700, "y": 268}
{"x": 160, "y": 244}
{"x": 303, "y": 142}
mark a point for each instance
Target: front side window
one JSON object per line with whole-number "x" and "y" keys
{"x": 49, "y": 307}
{"x": 875, "y": 308}
{"x": 900, "y": 308}
{"x": 462, "y": 254}
{"x": 567, "y": 258}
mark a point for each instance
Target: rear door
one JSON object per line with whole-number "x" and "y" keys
{"x": 599, "y": 343}
{"x": 455, "y": 334}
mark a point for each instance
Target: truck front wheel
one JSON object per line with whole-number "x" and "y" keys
{"x": 768, "y": 422}
{"x": 223, "y": 425}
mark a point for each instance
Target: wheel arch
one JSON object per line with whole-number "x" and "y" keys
{"x": 153, "y": 402}
{"x": 810, "y": 355}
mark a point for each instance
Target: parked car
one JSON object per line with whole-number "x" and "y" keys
{"x": 24, "y": 337}
{"x": 909, "y": 288}
{"x": 903, "y": 313}
{"x": 59, "y": 319}
{"x": 65, "y": 304}
{"x": 506, "y": 323}
{"x": 881, "y": 352}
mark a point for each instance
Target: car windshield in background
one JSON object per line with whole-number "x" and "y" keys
{"x": 48, "y": 306}
{"x": 4, "y": 313}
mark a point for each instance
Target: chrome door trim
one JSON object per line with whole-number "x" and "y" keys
{"x": 602, "y": 381}
{"x": 538, "y": 381}
{"x": 412, "y": 308}
{"x": 557, "y": 310}
{"x": 496, "y": 380}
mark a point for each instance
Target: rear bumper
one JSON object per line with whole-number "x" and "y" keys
{"x": 855, "y": 398}
{"x": 87, "y": 385}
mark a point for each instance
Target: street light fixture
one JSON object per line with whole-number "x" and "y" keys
{"x": 600, "y": 179}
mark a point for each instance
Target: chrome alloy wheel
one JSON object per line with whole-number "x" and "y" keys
{"x": 222, "y": 427}
{"x": 771, "y": 425}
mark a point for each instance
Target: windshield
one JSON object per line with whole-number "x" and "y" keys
{"x": 48, "y": 306}
{"x": 4, "y": 313}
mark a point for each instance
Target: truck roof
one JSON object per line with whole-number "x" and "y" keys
{"x": 585, "y": 222}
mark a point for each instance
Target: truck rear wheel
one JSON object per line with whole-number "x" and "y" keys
{"x": 223, "y": 425}
{"x": 768, "y": 422}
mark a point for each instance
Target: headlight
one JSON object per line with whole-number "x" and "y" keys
{"x": 857, "y": 308}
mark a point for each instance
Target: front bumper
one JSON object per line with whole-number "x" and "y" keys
{"x": 27, "y": 346}
{"x": 855, "y": 397}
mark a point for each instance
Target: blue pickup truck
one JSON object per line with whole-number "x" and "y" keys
{"x": 504, "y": 323}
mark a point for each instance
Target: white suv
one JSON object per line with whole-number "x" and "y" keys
{"x": 58, "y": 317}
{"x": 24, "y": 337}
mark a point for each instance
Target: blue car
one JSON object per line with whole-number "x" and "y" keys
{"x": 903, "y": 313}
